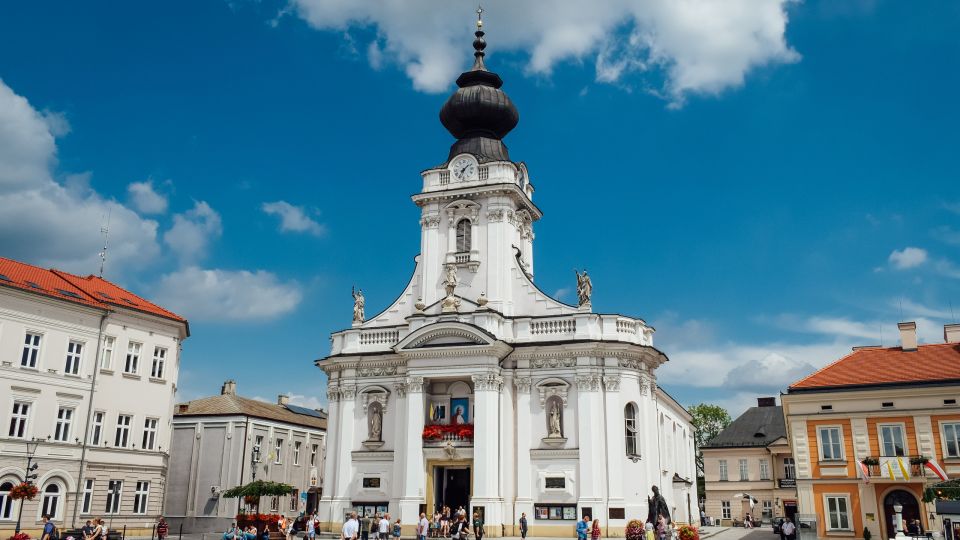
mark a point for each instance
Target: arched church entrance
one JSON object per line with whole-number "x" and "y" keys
{"x": 911, "y": 510}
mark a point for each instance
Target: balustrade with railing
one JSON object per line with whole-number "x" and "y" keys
{"x": 553, "y": 326}
{"x": 879, "y": 469}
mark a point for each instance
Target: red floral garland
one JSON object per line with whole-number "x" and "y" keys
{"x": 435, "y": 432}
{"x": 24, "y": 490}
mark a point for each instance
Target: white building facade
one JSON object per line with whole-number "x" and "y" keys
{"x": 88, "y": 373}
{"x": 475, "y": 388}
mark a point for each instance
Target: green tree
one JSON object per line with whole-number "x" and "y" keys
{"x": 708, "y": 421}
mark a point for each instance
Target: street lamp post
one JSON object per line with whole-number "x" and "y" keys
{"x": 898, "y": 509}
{"x": 28, "y": 476}
{"x": 113, "y": 490}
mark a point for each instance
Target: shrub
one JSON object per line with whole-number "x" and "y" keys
{"x": 688, "y": 532}
{"x": 634, "y": 530}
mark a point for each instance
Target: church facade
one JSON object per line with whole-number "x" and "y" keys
{"x": 474, "y": 388}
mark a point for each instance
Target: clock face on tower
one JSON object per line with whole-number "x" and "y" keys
{"x": 463, "y": 168}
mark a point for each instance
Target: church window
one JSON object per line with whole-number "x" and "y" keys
{"x": 463, "y": 235}
{"x": 630, "y": 428}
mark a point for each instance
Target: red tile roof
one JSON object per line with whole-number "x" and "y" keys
{"x": 878, "y": 366}
{"x": 89, "y": 291}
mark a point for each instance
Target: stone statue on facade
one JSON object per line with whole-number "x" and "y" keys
{"x": 584, "y": 288}
{"x": 451, "y": 303}
{"x": 555, "y": 426}
{"x": 358, "y": 302}
{"x": 376, "y": 424}
{"x": 657, "y": 508}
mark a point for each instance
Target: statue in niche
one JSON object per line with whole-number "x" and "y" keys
{"x": 358, "y": 302}
{"x": 556, "y": 429}
{"x": 375, "y": 429}
{"x": 584, "y": 288}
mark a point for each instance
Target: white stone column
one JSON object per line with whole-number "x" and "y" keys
{"x": 451, "y": 232}
{"x": 616, "y": 446}
{"x": 343, "y": 471}
{"x": 431, "y": 258}
{"x": 486, "y": 445}
{"x": 524, "y": 501}
{"x": 414, "y": 475}
{"x": 400, "y": 441}
{"x": 325, "y": 507}
{"x": 590, "y": 438}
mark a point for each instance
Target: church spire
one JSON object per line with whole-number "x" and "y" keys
{"x": 479, "y": 114}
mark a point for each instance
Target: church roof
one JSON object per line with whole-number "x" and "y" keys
{"x": 232, "y": 404}
{"x": 758, "y": 426}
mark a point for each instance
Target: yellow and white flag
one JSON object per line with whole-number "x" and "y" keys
{"x": 903, "y": 468}
{"x": 890, "y": 471}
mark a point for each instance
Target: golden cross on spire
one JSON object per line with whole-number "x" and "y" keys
{"x": 479, "y": 16}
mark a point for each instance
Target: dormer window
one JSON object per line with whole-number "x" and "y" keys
{"x": 463, "y": 235}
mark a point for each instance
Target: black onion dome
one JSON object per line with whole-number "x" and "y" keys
{"x": 479, "y": 114}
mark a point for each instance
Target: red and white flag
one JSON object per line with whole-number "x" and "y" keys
{"x": 864, "y": 471}
{"x": 936, "y": 468}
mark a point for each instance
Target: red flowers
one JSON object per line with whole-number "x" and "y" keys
{"x": 688, "y": 532}
{"x": 20, "y": 536}
{"x": 439, "y": 432}
{"x": 24, "y": 491}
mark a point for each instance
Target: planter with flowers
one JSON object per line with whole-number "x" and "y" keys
{"x": 634, "y": 530}
{"x": 20, "y": 536}
{"x": 688, "y": 532}
{"x": 24, "y": 491}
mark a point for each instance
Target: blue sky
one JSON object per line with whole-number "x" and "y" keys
{"x": 767, "y": 186}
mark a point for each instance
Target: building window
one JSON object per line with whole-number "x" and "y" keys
{"x": 159, "y": 359}
{"x": 279, "y": 451}
{"x": 838, "y": 517}
{"x": 61, "y": 432}
{"x": 6, "y": 503}
{"x": 744, "y": 474}
{"x": 257, "y": 448}
{"x": 725, "y": 509}
{"x": 96, "y": 435}
{"x": 275, "y": 504}
{"x": 18, "y": 419}
{"x": 630, "y": 428}
{"x": 313, "y": 454}
{"x": 31, "y": 350}
{"x": 140, "y": 498}
{"x": 294, "y": 499}
{"x": 114, "y": 492}
{"x": 767, "y": 509}
{"x": 891, "y": 440}
{"x": 123, "y": 431}
{"x": 296, "y": 455}
{"x": 764, "y": 469}
{"x": 106, "y": 354}
{"x": 149, "y": 434}
{"x": 463, "y": 235}
{"x": 72, "y": 367}
{"x": 951, "y": 435}
{"x": 132, "y": 364}
{"x": 789, "y": 468}
{"x": 830, "y": 444}
{"x": 723, "y": 470}
{"x": 51, "y": 501}
{"x": 87, "y": 496}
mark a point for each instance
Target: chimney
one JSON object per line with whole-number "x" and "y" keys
{"x": 951, "y": 333}
{"x": 908, "y": 335}
{"x": 229, "y": 388}
{"x": 766, "y": 402}
{"x": 283, "y": 399}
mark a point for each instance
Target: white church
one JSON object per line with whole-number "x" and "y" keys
{"x": 475, "y": 388}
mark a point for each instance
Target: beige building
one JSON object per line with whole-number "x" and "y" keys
{"x": 749, "y": 469}
{"x": 226, "y": 440}
{"x": 88, "y": 373}
{"x": 889, "y": 409}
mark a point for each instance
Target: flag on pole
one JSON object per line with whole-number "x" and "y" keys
{"x": 936, "y": 468}
{"x": 903, "y": 468}
{"x": 864, "y": 472}
{"x": 890, "y": 471}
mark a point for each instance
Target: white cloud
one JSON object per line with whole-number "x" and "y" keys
{"x": 48, "y": 223}
{"x": 227, "y": 295}
{"x": 293, "y": 218}
{"x": 146, "y": 199}
{"x": 701, "y": 46}
{"x": 908, "y": 257}
{"x": 192, "y": 231}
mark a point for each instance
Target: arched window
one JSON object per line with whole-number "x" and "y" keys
{"x": 463, "y": 235}
{"x": 6, "y": 503}
{"x": 630, "y": 428}
{"x": 51, "y": 500}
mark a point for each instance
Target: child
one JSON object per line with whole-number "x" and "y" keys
{"x": 396, "y": 530}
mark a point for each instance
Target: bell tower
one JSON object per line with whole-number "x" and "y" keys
{"x": 477, "y": 212}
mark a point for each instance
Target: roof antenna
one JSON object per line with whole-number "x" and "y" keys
{"x": 105, "y": 231}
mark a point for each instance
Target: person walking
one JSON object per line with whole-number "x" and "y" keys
{"x": 703, "y": 518}
{"x": 423, "y": 527}
{"x": 49, "y": 529}
{"x": 396, "y": 530}
{"x": 523, "y": 525}
{"x": 583, "y": 528}
{"x": 595, "y": 530}
{"x": 459, "y": 530}
{"x": 365, "y": 527}
{"x": 351, "y": 528}
{"x": 162, "y": 529}
{"x": 788, "y": 529}
{"x": 310, "y": 524}
{"x": 477, "y": 526}
{"x": 383, "y": 527}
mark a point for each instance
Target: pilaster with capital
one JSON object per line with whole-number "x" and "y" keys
{"x": 486, "y": 396}
{"x": 590, "y": 437}
{"x": 347, "y": 421}
{"x": 616, "y": 446}
{"x": 413, "y": 485}
{"x": 524, "y": 440}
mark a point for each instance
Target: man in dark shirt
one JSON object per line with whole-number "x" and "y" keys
{"x": 48, "y": 528}
{"x": 87, "y": 529}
